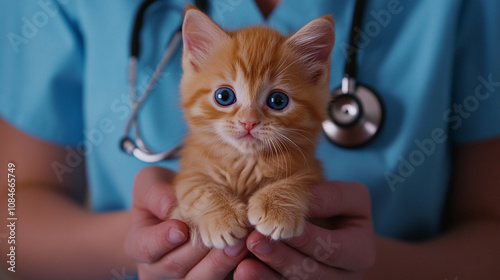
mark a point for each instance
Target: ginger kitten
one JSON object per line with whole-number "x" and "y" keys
{"x": 254, "y": 101}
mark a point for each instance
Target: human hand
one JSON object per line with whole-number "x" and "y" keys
{"x": 159, "y": 246}
{"x": 343, "y": 252}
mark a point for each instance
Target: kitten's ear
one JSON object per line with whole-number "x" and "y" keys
{"x": 200, "y": 34}
{"x": 314, "y": 43}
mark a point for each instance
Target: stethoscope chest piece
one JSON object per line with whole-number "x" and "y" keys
{"x": 355, "y": 112}
{"x": 355, "y": 116}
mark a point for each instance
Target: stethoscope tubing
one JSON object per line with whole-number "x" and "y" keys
{"x": 127, "y": 144}
{"x": 349, "y": 88}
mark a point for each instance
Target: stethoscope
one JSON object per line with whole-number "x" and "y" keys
{"x": 355, "y": 111}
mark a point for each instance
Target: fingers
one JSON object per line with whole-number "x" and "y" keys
{"x": 218, "y": 263}
{"x": 159, "y": 246}
{"x": 153, "y": 193}
{"x": 150, "y": 237}
{"x": 289, "y": 262}
{"x": 148, "y": 244}
{"x": 177, "y": 263}
{"x": 351, "y": 249}
{"x": 351, "y": 246}
{"x": 253, "y": 270}
{"x": 340, "y": 198}
{"x": 197, "y": 262}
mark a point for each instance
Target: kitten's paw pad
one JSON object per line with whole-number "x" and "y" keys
{"x": 274, "y": 220}
{"x": 223, "y": 228}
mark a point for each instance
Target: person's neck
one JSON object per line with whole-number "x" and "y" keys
{"x": 266, "y": 7}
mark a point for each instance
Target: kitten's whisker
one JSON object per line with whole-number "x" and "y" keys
{"x": 277, "y": 150}
{"x": 288, "y": 140}
{"x": 273, "y": 150}
{"x": 284, "y": 151}
{"x": 287, "y": 159}
{"x": 298, "y": 131}
{"x": 280, "y": 64}
{"x": 217, "y": 145}
{"x": 281, "y": 71}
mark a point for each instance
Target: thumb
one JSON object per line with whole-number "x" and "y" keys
{"x": 153, "y": 191}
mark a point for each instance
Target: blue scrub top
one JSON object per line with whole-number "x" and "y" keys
{"x": 435, "y": 64}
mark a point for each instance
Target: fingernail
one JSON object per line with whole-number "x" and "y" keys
{"x": 262, "y": 247}
{"x": 176, "y": 236}
{"x": 235, "y": 250}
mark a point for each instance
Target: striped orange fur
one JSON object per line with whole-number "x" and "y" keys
{"x": 247, "y": 164}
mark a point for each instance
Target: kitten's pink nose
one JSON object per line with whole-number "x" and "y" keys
{"x": 249, "y": 124}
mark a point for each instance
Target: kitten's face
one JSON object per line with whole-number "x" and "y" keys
{"x": 255, "y": 89}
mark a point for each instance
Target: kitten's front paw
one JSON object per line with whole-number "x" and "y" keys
{"x": 223, "y": 227}
{"x": 276, "y": 219}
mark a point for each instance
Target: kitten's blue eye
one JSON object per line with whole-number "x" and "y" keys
{"x": 225, "y": 96}
{"x": 277, "y": 100}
